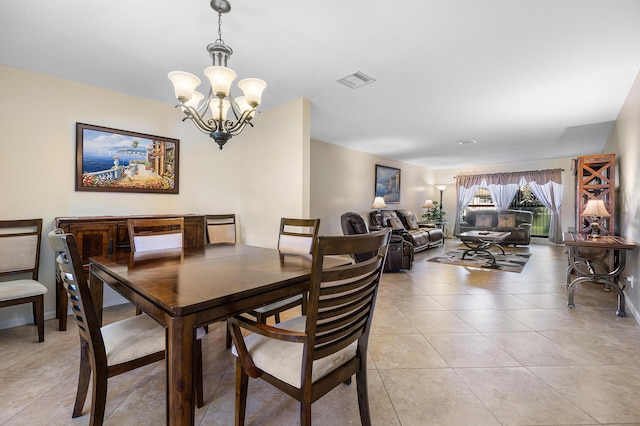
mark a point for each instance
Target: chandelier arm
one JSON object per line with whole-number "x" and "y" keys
{"x": 191, "y": 114}
{"x": 234, "y": 107}
{"x": 205, "y": 105}
{"x": 239, "y": 125}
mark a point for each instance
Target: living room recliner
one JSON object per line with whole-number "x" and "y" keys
{"x": 399, "y": 254}
{"x": 404, "y": 222}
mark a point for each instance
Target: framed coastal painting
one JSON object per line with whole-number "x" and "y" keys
{"x": 112, "y": 160}
{"x": 388, "y": 183}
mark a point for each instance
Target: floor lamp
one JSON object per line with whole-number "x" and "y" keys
{"x": 441, "y": 188}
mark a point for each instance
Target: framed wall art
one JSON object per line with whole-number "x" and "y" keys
{"x": 388, "y": 183}
{"x": 112, "y": 160}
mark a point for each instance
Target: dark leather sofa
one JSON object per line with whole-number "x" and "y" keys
{"x": 405, "y": 223}
{"x": 399, "y": 253}
{"x": 518, "y": 222}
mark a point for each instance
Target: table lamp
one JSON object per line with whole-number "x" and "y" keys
{"x": 378, "y": 203}
{"x": 428, "y": 204}
{"x": 596, "y": 210}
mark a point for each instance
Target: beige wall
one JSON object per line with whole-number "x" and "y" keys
{"x": 342, "y": 180}
{"x": 261, "y": 175}
{"x": 625, "y": 143}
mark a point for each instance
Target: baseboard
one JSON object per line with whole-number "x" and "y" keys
{"x": 630, "y": 307}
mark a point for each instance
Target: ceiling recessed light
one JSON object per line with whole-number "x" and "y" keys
{"x": 467, "y": 142}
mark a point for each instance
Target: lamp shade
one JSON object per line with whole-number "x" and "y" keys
{"x": 195, "y": 100}
{"x": 428, "y": 204}
{"x": 243, "y": 105}
{"x": 378, "y": 203}
{"x": 220, "y": 79}
{"x": 441, "y": 187}
{"x": 214, "y": 106}
{"x": 184, "y": 84}
{"x": 252, "y": 89}
{"x": 595, "y": 208}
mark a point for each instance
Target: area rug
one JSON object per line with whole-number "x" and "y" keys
{"x": 510, "y": 261}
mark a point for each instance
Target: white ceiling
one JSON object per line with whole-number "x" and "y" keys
{"x": 527, "y": 79}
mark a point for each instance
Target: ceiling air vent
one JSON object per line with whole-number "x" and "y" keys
{"x": 356, "y": 80}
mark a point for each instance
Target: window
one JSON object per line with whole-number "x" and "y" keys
{"x": 524, "y": 200}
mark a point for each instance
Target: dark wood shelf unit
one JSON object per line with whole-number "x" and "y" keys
{"x": 105, "y": 235}
{"x": 595, "y": 179}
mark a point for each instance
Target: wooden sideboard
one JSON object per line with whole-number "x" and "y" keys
{"x": 103, "y": 235}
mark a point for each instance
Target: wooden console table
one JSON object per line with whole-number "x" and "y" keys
{"x": 585, "y": 258}
{"x": 105, "y": 235}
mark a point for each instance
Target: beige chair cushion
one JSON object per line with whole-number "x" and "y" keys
{"x": 132, "y": 338}
{"x": 295, "y": 244}
{"x": 18, "y": 252}
{"x": 284, "y": 359}
{"x": 17, "y": 289}
{"x": 157, "y": 242}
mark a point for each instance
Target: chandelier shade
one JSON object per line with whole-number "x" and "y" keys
{"x": 219, "y": 101}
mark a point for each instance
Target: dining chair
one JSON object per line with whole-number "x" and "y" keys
{"x": 295, "y": 237}
{"x": 147, "y": 234}
{"x": 308, "y": 356}
{"x": 19, "y": 257}
{"x": 112, "y": 349}
{"x": 155, "y": 234}
{"x": 221, "y": 228}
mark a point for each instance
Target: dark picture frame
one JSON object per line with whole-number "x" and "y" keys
{"x": 113, "y": 160}
{"x": 388, "y": 183}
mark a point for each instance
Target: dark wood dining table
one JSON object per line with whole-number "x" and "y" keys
{"x": 183, "y": 290}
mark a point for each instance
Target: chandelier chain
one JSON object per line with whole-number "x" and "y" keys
{"x": 220, "y": 27}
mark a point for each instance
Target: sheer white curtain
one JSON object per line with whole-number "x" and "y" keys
{"x": 502, "y": 195}
{"x": 547, "y": 187}
{"x": 466, "y": 187}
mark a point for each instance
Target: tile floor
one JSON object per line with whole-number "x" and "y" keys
{"x": 449, "y": 346}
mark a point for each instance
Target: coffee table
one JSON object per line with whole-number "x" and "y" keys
{"x": 482, "y": 241}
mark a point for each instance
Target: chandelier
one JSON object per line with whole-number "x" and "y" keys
{"x": 219, "y": 100}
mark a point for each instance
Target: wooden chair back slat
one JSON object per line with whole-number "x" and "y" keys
{"x": 75, "y": 283}
{"x": 341, "y": 299}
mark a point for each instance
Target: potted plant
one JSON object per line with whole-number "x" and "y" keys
{"x": 434, "y": 214}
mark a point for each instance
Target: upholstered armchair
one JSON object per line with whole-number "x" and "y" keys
{"x": 399, "y": 254}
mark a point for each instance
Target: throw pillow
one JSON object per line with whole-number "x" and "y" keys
{"x": 506, "y": 221}
{"x": 484, "y": 220}
{"x": 395, "y": 223}
{"x": 359, "y": 226}
{"x": 412, "y": 222}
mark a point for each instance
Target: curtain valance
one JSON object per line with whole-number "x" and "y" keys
{"x": 540, "y": 177}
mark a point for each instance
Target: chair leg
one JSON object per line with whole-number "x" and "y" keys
{"x": 228, "y": 338}
{"x": 277, "y": 317}
{"x": 242, "y": 383}
{"x": 198, "y": 380}
{"x": 363, "y": 397}
{"x": 99, "y": 396}
{"x": 84, "y": 377}
{"x": 38, "y": 316}
{"x": 305, "y": 413}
